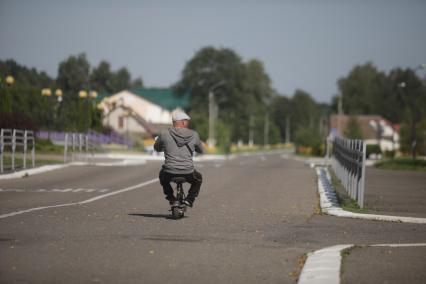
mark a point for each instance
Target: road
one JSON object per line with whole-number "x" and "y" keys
{"x": 255, "y": 220}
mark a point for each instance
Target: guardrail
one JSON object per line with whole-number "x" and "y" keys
{"x": 79, "y": 145}
{"x": 93, "y": 136}
{"x": 12, "y": 139}
{"x": 348, "y": 163}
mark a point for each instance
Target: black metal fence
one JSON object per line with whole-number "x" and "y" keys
{"x": 348, "y": 163}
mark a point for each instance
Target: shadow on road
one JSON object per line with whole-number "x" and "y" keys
{"x": 147, "y": 215}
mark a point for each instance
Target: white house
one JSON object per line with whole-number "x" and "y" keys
{"x": 141, "y": 111}
{"x": 375, "y": 130}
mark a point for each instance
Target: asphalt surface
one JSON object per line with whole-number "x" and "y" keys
{"x": 400, "y": 193}
{"x": 393, "y": 264}
{"x": 254, "y": 221}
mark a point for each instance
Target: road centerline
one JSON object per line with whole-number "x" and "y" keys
{"x": 80, "y": 202}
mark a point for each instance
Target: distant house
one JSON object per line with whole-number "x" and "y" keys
{"x": 375, "y": 130}
{"x": 140, "y": 111}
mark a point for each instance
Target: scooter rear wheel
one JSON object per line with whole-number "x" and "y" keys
{"x": 177, "y": 212}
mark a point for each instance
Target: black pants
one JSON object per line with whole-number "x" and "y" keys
{"x": 195, "y": 179}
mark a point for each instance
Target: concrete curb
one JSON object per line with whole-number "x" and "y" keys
{"x": 323, "y": 266}
{"x": 330, "y": 205}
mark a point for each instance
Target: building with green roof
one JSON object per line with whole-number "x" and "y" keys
{"x": 141, "y": 111}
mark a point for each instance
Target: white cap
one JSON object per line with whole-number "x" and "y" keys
{"x": 180, "y": 115}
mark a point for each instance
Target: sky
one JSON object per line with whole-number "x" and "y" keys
{"x": 303, "y": 44}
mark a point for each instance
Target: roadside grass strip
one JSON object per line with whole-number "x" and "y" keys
{"x": 329, "y": 203}
{"x": 323, "y": 266}
{"x": 81, "y": 202}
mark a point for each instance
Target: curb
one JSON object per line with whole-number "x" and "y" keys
{"x": 330, "y": 205}
{"x": 323, "y": 266}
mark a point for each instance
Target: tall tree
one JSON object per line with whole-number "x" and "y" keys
{"x": 101, "y": 78}
{"x": 73, "y": 74}
{"x": 353, "y": 129}
{"x": 362, "y": 89}
{"x": 120, "y": 80}
{"x": 240, "y": 89}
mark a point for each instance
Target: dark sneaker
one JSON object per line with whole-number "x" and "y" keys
{"x": 188, "y": 202}
{"x": 171, "y": 199}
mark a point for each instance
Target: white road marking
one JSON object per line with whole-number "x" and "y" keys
{"x": 81, "y": 202}
{"x": 323, "y": 266}
{"x": 330, "y": 205}
{"x": 85, "y": 190}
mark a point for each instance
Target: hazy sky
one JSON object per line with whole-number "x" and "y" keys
{"x": 303, "y": 44}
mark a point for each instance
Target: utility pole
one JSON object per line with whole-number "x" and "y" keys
{"x": 287, "y": 130}
{"x": 266, "y": 130}
{"x": 251, "y": 132}
{"x": 211, "y": 139}
{"x": 340, "y": 112}
{"x": 213, "y": 110}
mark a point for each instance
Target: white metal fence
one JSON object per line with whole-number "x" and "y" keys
{"x": 16, "y": 141}
{"x": 348, "y": 163}
{"x": 77, "y": 146}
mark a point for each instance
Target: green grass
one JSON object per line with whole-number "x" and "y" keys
{"x": 402, "y": 164}
{"x": 46, "y": 146}
{"x": 7, "y": 163}
{"x": 344, "y": 200}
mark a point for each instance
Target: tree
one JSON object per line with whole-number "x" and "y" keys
{"x": 353, "y": 129}
{"x": 304, "y": 111}
{"x": 73, "y": 75}
{"x": 362, "y": 90}
{"x": 137, "y": 83}
{"x": 280, "y": 114}
{"x": 242, "y": 89}
{"x": 101, "y": 78}
{"x": 120, "y": 80}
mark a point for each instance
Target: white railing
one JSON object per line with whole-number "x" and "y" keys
{"x": 77, "y": 146}
{"x": 13, "y": 140}
{"x": 348, "y": 163}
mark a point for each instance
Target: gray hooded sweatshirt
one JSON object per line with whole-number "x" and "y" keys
{"x": 173, "y": 142}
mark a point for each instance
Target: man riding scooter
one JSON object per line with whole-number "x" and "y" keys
{"x": 179, "y": 143}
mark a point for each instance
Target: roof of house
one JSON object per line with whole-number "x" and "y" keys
{"x": 163, "y": 97}
{"x": 364, "y": 121}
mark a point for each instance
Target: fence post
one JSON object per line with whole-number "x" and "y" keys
{"x": 73, "y": 147}
{"x": 13, "y": 148}
{"x": 25, "y": 149}
{"x": 1, "y": 149}
{"x": 361, "y": 192}
{"x": 65, "y": 147}
{"x": 33, "y": 151}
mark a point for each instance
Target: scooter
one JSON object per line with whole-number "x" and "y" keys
{"x": 178, "y": 207}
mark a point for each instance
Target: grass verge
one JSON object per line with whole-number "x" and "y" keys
{"x": 343, "y": 198}
{"x": 402, "y": 164}
{"x": 344, "y": 254}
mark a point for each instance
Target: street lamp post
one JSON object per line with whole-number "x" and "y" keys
{"x": 6, "y": 103}
{"x": 211, "y": 141}
{"x": 47, "y": 93}
{"x": 87, "y": 96}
